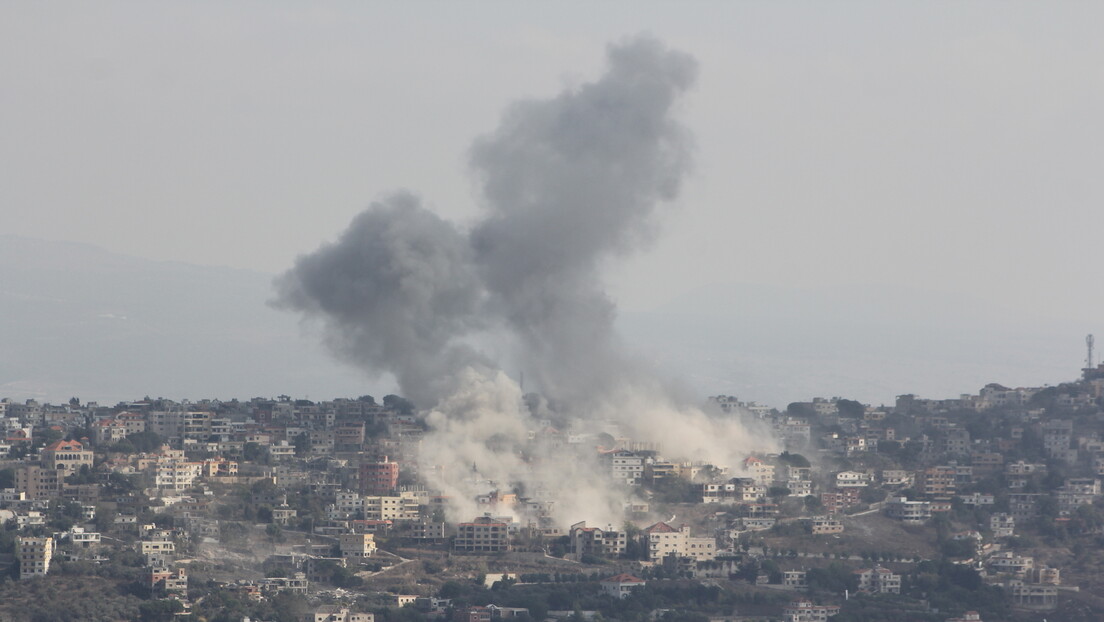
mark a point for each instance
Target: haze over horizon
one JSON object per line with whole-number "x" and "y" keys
{"x": 869, "y": 206}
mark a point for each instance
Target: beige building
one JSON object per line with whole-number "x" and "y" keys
{"x": 357, "y": 546}
{"x": 878, "y": 580}
{"x": 38, "y": 482}
{"x": 34, "y": 555}
{"x": 597, "y": 541}
{"x": 826, "y": 525}
{"x": 484, "y": 534}
{"x": 66, "y": 457}
{"x": 661, "y": 540}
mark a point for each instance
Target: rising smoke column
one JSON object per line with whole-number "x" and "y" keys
{"x": 568, "y": 184}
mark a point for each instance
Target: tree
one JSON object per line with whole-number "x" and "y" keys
{"x": 302, "y": 445}
{"x": 778, "y": 492}
{"x": 399, "y": 404}
{"x": 796, "y": 460}
{"x": 159, "y": 610}
{"x": 253, "y": 452}
{"x": 850, "y": 409}
{"x": 801, "y": 410}
{"x": 274, "y": 532}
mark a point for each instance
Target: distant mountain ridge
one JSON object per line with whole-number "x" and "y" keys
{"x": 77, "y": 320}
{"x": 777, "y": 344}
{"x": 82, "y": 321}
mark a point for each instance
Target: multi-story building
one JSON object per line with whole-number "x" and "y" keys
{"x": 897, "y": 478}
{"x": 379, "y": 477}
{"x": 937, "y": 481}
{"x": 1033, "y": 595}
{"x": 34, "y": 555}
{"x": 484, "y": 535}
{"x": 1002, "y": 524}
{"x": 425, "y": 530}
{"x": 852, "y": 479}
{"x": 627, "y": 466}
{"x": 393, "y": 508}
{"x": 168, "y": 424}
{"x": 163, "y": 581}
{"x": 879, "y": 580}
{"x": 38, "y": 482}
{"x": 197, "y": 425}
{"x": 826, "y": 525}
{"x": 661, "y": 540}
{"x": 66, "y": 457}
{"x": 1009, "y": 562}
{"x": 838, "y": 501}
{"x": 357, "y": 546}
{"x": 795, "y": 580}
{"x": 806, "y": 611}
{"x": 902, "y": 509}
{"x": 607, "y": 542}
{"x": 957, "y": 442}
{"x": 760, "y": 471}
{"x": 175, "y": 473}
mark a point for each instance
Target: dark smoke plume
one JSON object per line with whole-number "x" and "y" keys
{"x": 568, "y": 183}
{"x": 394, "y": 291}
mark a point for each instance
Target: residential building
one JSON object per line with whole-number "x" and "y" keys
{"x": 902, "y": 509}
{"x": 484, "y": 535}
{"x": 852, "y": 479}
{"x": 1002, "y": 524}
{"x": 38, "y": 482}
{"x": 826, "y": 525}
{"x": 357, "y": 546}
{"x": 806, "y": 611}
{"x": 878, "y": 580}
{"x": 795, "y": 580}
{"x": 621, "y": 586}
{"x": 627, "y": 466}
{"x": 608, "y": 542}
{"x": 34, "y": 555}
{"x": 1033, "y": 596}
{"x": 379, "y": 477}
{"x": 937, "y": 481}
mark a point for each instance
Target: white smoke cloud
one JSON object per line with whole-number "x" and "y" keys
{"x": 568, "y": 183}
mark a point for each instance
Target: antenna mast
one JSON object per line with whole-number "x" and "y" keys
{"x": 1089, "y": 345}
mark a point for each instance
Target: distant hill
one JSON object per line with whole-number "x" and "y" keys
{"x": 776, "y": 345}
{"x": 80, "y": 321}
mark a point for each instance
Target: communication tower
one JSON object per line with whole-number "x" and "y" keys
{"x": 1089, "y": 345}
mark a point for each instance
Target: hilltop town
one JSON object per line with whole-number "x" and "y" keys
{"x": 982, "y": 507}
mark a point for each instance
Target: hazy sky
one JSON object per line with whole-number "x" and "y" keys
{"x": 952, "y": 146}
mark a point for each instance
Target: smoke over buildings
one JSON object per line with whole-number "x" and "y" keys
{"x": 568, "y": 184}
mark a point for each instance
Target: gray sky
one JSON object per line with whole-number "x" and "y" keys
{"x": 949, "y": 147}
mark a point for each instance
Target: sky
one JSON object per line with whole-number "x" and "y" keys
{"x": 950, "y": 148}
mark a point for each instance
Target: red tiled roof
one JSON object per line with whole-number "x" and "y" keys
{"x": 661, "y": 527}
{"x": 64, "y": 446}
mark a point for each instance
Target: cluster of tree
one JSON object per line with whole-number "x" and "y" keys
{"x": 66, "y": 598}
{"x": 219, "y": 605}
{"x": 139, "y": 442}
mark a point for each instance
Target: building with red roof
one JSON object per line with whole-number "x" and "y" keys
{"x": 66, "y": 457}
{"x": 622, "y": 585}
